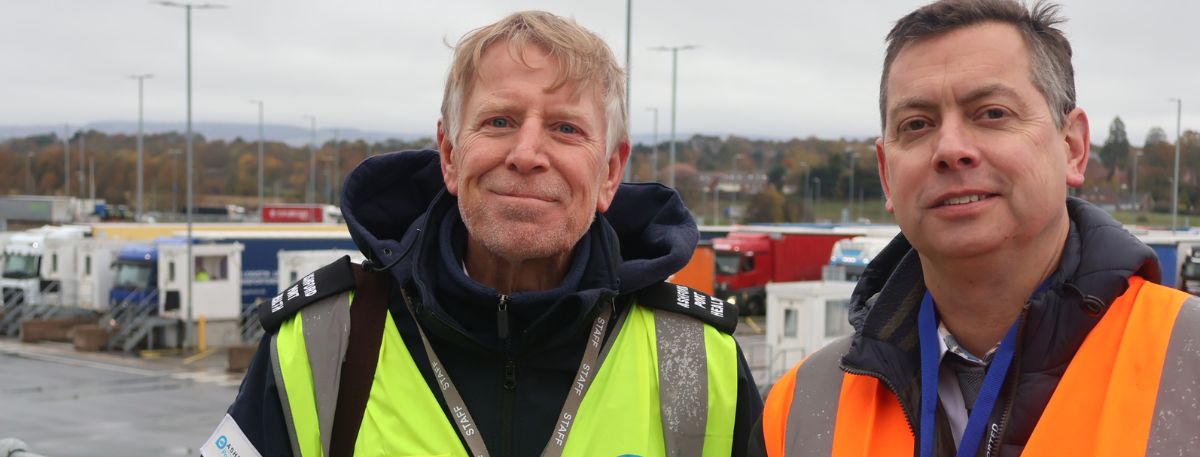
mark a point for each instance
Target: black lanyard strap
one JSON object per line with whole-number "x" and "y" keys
{"x": 593, "y": 355}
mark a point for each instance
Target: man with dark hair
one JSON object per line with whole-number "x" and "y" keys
{"x": 1007, "y": 318}
{"x": 513, "y": 302}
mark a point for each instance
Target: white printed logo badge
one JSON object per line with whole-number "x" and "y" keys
{"x": 228, "y": 441}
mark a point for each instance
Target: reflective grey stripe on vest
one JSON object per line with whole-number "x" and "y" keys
{"x": 682, "y": 382}
{"x": 813, "y": 414}
{"x": 283, "y": 397}
{"x": 326, "y": 326}
{"x": 1175, "y": 429}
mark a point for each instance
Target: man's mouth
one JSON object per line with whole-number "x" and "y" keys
{"x": 952, "y": 201}
{"x": 528, "y": 196}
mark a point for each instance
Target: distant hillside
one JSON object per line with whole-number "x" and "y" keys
{"x": 291, "y": 134}
{"x": 228, "y": 131}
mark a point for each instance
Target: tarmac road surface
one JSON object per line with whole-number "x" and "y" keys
{"x": 63, "y": 404}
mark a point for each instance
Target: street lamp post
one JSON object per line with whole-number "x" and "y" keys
{"x": 806, "y": 194}
{"x": 654, "y": 154}
{"x": 310, "y": 193}
{"x": 1175, "y": 182}
{"x": 66, "y": 160}
{"x": 29, "y": 173}
{"x": 82, "y": 159}
{"x": 1136, "y": 204}
{"x": 261, "y": 164}
{"x": 92, "y": 178}
{"x": 716, "y": 200}
{"x": 816, "y": 195}
{"x": 336, "y": 198}
{"x": 674, "y": 85}
{"x": 141, "y": 80}
{"x": 628, "y": 74}
{"x": 188, "y": 7}
{"x": 850, "y": 195}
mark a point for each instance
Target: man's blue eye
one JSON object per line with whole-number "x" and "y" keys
{"x": 567, "y": 128}
{"x": 915, "y": 125}
{"x": 498, "y": 122}
{"x": 994, "y": 113}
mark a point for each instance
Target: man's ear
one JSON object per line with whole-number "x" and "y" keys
{"x": 883, "y": 177}
{"x": 612, "y": 180}
{"x": 446, "y": 156}
{"x": 1078, "y": 146}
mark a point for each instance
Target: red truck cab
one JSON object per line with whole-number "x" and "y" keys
{"x": 747, "y": 260}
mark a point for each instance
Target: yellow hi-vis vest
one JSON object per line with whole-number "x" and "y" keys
{"x": 622, "y": 413}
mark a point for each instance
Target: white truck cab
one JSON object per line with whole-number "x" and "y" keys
{"x": 40, "y": 266}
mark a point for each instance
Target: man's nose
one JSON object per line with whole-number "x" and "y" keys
{"x": 528, "y": 154}
{"x": 954, "y": 148}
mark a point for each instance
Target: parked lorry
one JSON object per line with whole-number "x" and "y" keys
{"x": 749, "y": 258}
{"x": 135, "y": 273}
{"x": 851, "y": 256}
{"x": 1190, "y": 273}
{"x": 302, "y": 213}
{"x": 97, "y": 258}
{"x": 40, "y": 266}
{"x": 1173, "y": 250}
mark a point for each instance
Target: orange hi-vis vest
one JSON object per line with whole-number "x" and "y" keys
{"x": 1133, "y": 388}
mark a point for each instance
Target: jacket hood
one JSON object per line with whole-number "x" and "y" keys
{"x": 391, "y": 199}
{"x": 1099, "y": 257}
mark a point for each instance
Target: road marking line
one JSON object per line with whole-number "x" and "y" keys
{"x": 753, "y": 326}
{"x": 88, "y": 364}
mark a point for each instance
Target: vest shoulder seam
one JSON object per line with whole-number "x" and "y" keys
{"x": 690, "y": 302}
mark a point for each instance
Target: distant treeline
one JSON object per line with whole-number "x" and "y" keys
{"x": 795, "y": 171}
{"x": 225, "y": 171}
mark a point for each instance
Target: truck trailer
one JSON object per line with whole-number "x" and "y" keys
{"x": 750, "y": 258}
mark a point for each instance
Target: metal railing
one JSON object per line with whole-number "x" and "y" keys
{"x": 132, "y": 321}
{"x": 18, "y": 308}
{"x": 252, "y": 330}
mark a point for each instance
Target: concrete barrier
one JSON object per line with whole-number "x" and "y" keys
{"x": 89, "y": 338}
{"x": 55, "y": 329}
{"x": 240, "y": 357}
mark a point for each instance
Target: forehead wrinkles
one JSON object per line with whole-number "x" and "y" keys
{"x": 574, "y": 90}
{"x": 567, "y": 71}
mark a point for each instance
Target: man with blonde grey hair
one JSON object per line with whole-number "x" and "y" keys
{"x": 513, "y": 301}
{"x": 1007, "y": 318}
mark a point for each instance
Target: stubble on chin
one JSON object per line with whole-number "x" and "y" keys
{"x": 507, "y": 231}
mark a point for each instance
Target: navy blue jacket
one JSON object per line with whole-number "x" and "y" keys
{"x": 401, "y": 216}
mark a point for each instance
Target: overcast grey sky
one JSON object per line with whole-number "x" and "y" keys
{"x": 763, "y": 68}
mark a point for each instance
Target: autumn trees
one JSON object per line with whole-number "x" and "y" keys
{"x": 225, "y": 171}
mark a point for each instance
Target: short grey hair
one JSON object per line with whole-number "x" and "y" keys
{"x": 1049, "y": 50}
{"x": 583, "y": 58}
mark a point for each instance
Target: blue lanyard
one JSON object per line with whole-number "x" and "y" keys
{"x": 988, "y": 393}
